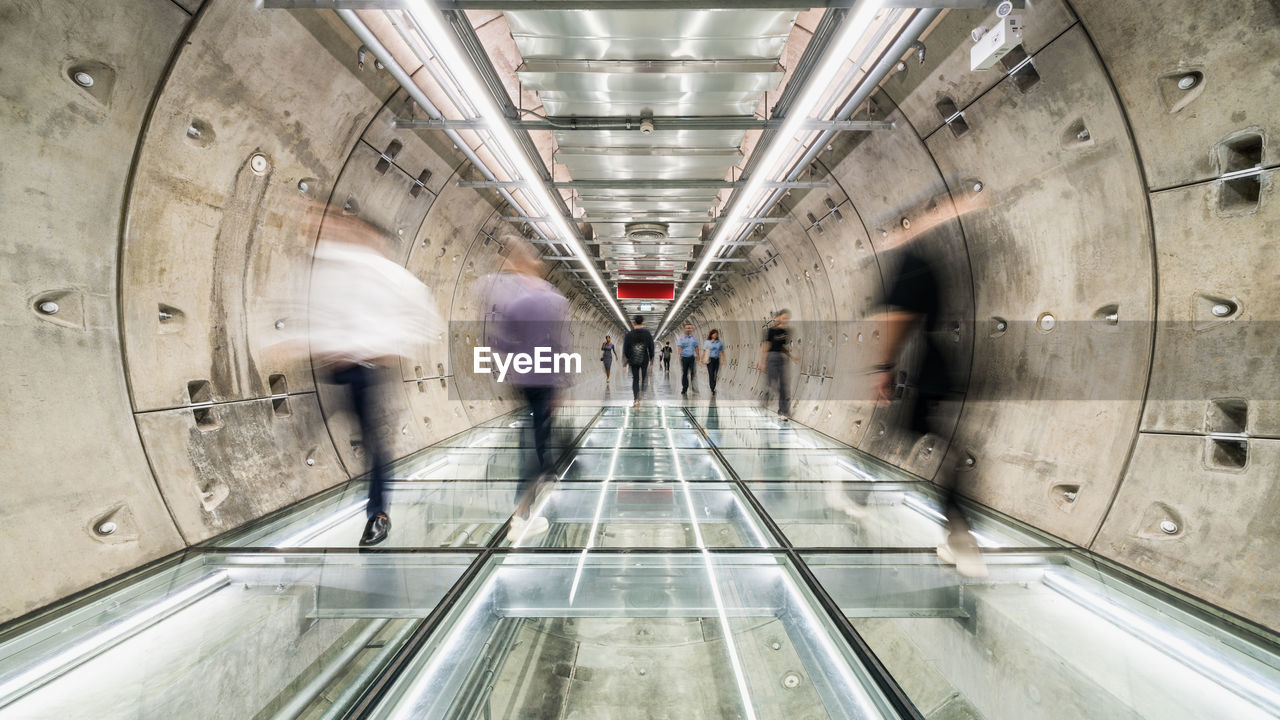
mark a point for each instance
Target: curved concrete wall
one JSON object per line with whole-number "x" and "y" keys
{"x": 132, "y": 204}
{"x": 1099, "y": 195}
{"x": 177, "y": 269}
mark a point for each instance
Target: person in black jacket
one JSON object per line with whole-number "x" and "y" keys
{"x": 911, "y": 309}
{"x": 637, "y": 348}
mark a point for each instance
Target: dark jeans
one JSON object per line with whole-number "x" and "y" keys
{"x": 541, "y": 401}
{"x": 362, "y": 386}
{"x": 713, "y": 371}
{"x": 666, "y": 363}
{"x": 687, "y": 366}
{"x": 637, "y": 381}
{"x": 776, "y": 374}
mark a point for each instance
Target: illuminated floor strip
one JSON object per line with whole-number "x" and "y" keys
{"x": 725, "y": 627}
{"x": 595, "y": 521}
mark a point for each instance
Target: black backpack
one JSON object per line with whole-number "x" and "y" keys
{"x": 638, "y": 350}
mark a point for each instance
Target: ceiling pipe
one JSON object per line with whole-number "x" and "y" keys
{"x": 869, "y": 84}
{"x": 366, "y": 36}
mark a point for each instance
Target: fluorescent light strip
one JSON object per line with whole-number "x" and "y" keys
{"x": 440, "y": 38}
{"x": 322, "y": 526}
{"x": 933, "y": 513}
{"x": 851, "y": 32}
{"x": 406, "y": 707}
{"x": 421, "y": 473}
{"x": 866, "y": 705}
{"x": 725, "y": 628}
{"x": 857, "y": 471}
{"x": 1195, "y": 654}
{"x": 595, "y": 522}
{"x": 41, "y": 673}
{"x": 751, "y": 523}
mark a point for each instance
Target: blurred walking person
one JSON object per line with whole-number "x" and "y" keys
{"x": 666, "y": 357}
{"x": 688, "y": 345}
{"x": 529, "y": 313}
{"x": 607, "y": 355}
{"x": 911, "y": 309}
{"x": 775, "y": 351}
{"x": 711, "y": 357}
{"x": 365, "y": 310}
{"x": 637, "y": 348}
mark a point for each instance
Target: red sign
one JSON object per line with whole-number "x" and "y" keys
{"x": 646, "y": 291}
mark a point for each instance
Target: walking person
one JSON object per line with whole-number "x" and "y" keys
{"x": 688, "y": 345}
{"x": 666, "y": 357}
{"x": 365, "y": 310}
{"x": 911, "y": 308}
{"x": 711, "y": 357}
{"x": 637, "y": 348}
{"x": 530, "y": 314}
{"x": 607, "y": 355}
{"x": 775, "y": 351}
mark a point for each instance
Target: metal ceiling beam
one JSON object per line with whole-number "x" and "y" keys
{"x": 627, "y": 184}
{"x": 731, "y": 122}
{"x": 515, "y": 5}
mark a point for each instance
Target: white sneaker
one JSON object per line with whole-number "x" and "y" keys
{"x": 536, "y": 527}
{"x": 837, "y": 499}
{"x": 516, "y": 529}
{"x": 968, "y": 561}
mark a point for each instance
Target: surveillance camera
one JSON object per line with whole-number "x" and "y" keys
{"x": 977, "y": 33}
{"x": 707, "y": 287}
{"x": 1004, "y": 8}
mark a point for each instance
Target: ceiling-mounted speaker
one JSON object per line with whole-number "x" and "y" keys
{"x": 646, "y": 232}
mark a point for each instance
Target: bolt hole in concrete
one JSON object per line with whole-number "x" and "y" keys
{"x": 200, "y": 133}
{"x": 1227, "y": 415}
{"x": 1178, "y": 89}
{"x": 1046, "y": 322}
{"x": 1228, "y": 454}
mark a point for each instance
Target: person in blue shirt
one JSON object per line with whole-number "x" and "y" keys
{"x": 711, "y": 358}
{"x": 688, "y": 345}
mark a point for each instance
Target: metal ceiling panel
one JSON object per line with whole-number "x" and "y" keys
{"x": 657, "y": 104}
{"x": 622, "y": 80}
{"x": 628, "y": 64}
{"x": 648, "y": 35}
{"x": 603, "y": 167}
{"x": 659, "y": 138}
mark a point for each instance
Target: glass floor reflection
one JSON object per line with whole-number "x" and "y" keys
{"x": 697, "y": 562}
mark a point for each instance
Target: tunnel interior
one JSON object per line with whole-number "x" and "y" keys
{"x": 1102, "y": 199}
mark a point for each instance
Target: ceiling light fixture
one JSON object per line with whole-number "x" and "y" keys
{"x": 744, "y": 206}
{"x": 438, "y": 36}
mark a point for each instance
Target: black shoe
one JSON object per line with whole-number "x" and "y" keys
{"x": 375, "y": 531}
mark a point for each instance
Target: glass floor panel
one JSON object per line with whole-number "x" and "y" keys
{"x": 583, "y": 635}
{"x": 659, "y": 590}
{"x": 901, "y": 515}
{"x": 423, "y": 515}
{"x": 644, "y": 422}
{"x": 644, "y": 464}
{"x": 460, "y": 464}
{"x": 505, "y": 437}
{"x": 1049, "y": 636}
{"x": 831, "y": 465}
{"x": 226, "y": 636}
{"x": 788, "y": 437}
{"x": 639, "y": 438}
{"x": 645, "y": 515}
{"x": 522, "y": 419}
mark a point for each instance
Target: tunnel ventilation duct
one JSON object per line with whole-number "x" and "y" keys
{"x": 646, "y": 232}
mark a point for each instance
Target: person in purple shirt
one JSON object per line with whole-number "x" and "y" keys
{"x": 529, "y": 315}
